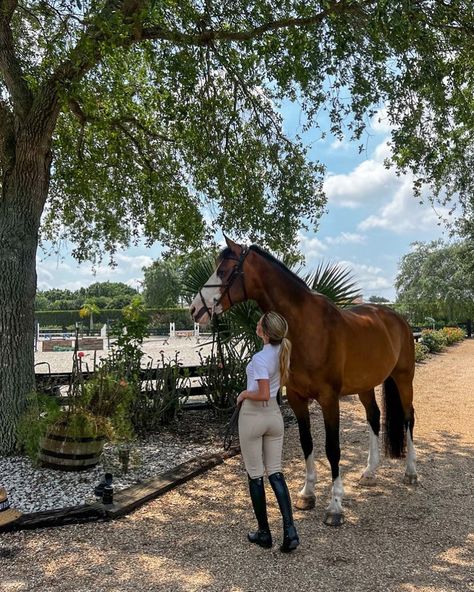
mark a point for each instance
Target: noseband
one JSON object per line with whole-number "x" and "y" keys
{"x": 237, "y": 271}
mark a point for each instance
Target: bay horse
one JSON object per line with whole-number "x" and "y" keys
{"x": 336, "y": 352}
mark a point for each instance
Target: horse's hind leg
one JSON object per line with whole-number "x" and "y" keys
{"x": 372, "y": 411}
{"x": 306, "y": 498}
{"x": 404, "y": 384}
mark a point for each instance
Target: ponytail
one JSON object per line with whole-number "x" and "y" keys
{"x": 285, "y": 354}
{"x": 275, "y": 328}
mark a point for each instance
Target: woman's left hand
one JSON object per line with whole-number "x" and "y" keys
{"x": 240, "y": 398}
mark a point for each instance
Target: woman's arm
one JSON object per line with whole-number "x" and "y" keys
{"x": 263, "y": 393}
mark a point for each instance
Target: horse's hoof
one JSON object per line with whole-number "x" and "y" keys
{"x": 368, "y": 481}
{"x": 333, "y": 519}
{"x": 410, "y": 479}
{"x": 305, "y": 502}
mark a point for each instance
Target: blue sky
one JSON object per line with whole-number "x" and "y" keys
{"x": 372, "y": 218}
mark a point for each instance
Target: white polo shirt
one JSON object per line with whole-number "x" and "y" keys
{"x": 265, "y": 364}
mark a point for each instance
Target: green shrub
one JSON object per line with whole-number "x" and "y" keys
{"x": 223, "y": 375}
{"x": 421, "y": 352}
{"x": 452, "y": 335}
{"x": 162, "y": 397}
{"x": 40, "y": 412}
{"x": 435, "y": 341}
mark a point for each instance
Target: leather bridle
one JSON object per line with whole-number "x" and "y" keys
{"x": 236, "y": 272}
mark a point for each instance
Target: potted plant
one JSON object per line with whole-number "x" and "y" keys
{"x": 71, "y": 437}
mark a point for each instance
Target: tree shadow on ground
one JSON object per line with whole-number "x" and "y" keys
{"x": 396, "y": 538}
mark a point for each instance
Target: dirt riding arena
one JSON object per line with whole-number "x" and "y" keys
{"x": 396, "y": 537}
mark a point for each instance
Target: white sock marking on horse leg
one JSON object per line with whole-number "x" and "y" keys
{"x": 411, "y": 456}
{"x": 337, "y": 493}
{"x": 310, "y": 478}
{"x": 373, "y": 459}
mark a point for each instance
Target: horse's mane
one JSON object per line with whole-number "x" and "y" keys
{"x": 279, "y": 264}
{"x": 227, "y": 253}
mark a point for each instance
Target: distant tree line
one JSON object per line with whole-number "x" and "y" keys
{"x": 436, "y": 280}
{"x": 104, "y": 295}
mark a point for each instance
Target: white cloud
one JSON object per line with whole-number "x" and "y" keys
{"x": 370, "y": 180}
{"x": 346, "y": 238}
{"x": 370, "y": 183}
{"x": 404, "y": 214}
{"x": 380, "y": 122}
{"x": 369, "y": 278}
{"x": 312, "y": 248}
{"x": 340, "y": 144}
{"x": 134, "y": 262}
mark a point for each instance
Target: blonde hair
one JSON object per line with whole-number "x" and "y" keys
{"x": 275, "y": 328}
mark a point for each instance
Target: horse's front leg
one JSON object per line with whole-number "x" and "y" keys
{"x": 306, "y": 498}
{"x": 330, "y": 407}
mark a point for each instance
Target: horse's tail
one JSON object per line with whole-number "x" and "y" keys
{"x": 394, "y": 438}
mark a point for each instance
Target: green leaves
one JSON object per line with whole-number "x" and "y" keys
{"x": 171, "y": 120}
{"x": 335, "y": 282}
{"x": 436, "y": 279}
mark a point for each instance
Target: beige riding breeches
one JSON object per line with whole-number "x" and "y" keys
{"x": 261, "y": 436}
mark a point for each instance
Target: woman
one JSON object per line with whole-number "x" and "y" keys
{"x": 261, "y": 428}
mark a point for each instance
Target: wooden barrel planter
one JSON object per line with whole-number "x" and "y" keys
{"x": 59, "y": 450}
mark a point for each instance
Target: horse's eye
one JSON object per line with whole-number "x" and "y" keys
{"x": 220, "y": 273}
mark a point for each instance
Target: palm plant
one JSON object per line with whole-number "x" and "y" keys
{"x": 89, "y": 309}
{"x": 335, "y": 282}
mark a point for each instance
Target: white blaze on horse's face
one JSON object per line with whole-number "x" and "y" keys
{"x": 210, "y": 294}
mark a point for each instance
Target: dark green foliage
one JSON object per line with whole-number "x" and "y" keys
{"x": 156, "y": 317}
{"x": 335, "y": 282}
{"x": 106, "y": 295}
{"x": 437, "y": 280}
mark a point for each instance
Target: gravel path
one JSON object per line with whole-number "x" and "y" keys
{"x": 396, "y": 538}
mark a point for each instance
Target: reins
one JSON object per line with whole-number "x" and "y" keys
{"x": 231, "y": 427}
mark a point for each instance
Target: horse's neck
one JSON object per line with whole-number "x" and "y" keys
{"x": 279, "y": 291}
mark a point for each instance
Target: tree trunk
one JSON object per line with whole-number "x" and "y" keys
{"x": 24, "y": 191}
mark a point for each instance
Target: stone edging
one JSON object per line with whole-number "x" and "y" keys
{"x": 126, "y": 500}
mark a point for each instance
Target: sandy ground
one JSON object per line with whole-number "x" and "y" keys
{"x": 396, "y": 538}
{"x": 186, "y": 349}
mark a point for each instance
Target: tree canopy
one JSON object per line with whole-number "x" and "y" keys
{"x": 169, "y": 123}
{"x": 162, "y": 283}
{"x": 437, "y": 280}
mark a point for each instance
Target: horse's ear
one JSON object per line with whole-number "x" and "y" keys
{"x": 233, "y": 246}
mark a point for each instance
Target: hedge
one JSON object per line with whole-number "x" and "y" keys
{"x": 157, "y": 317}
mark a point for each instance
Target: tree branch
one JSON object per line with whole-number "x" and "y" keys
{"x": 80, "y": 61}
{"x": 119, "y": 123}
{"x": 9, "y": 64}
{"x": 208, "y": 36}
{"x": 89, "y": 49}
{"x": 257, "y": 106}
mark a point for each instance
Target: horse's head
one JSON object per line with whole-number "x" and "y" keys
{"x": 225, "y": 287}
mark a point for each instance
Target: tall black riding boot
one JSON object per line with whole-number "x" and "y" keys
{"x": 290, "y": 536}
{"x": 262, "y": 537}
